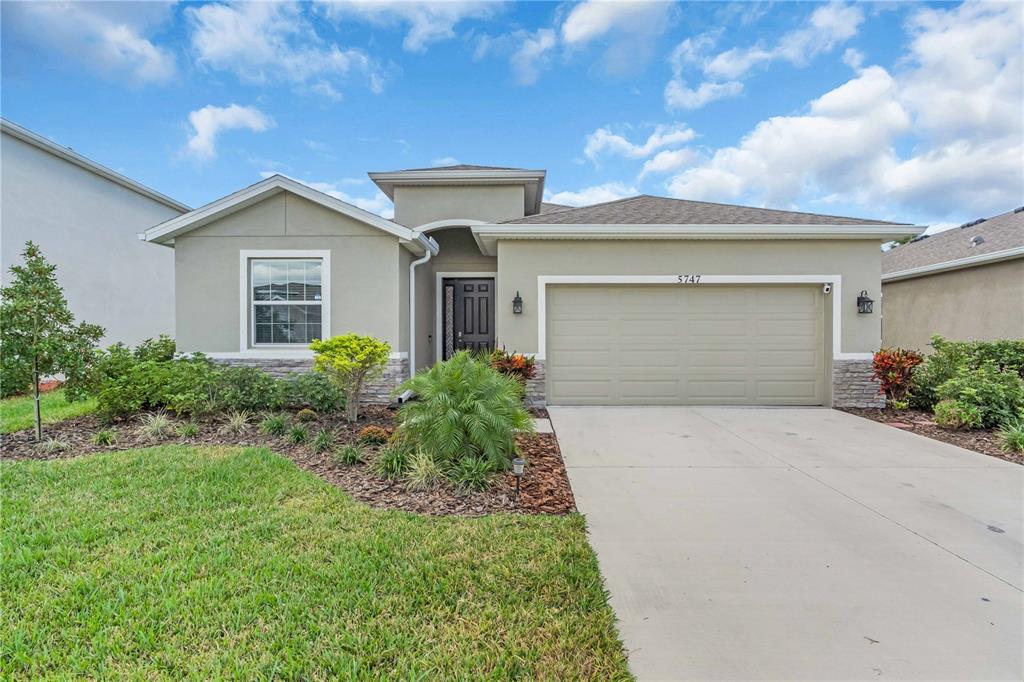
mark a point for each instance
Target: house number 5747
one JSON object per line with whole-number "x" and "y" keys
{"x": 688, "y": 279}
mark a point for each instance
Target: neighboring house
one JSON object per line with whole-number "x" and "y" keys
{"x": 639, "y": 301}
{"x": 86, "y": 218}
{"x": 964, "y": 283}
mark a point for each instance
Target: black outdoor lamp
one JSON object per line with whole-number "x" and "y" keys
{"x": 517, "y": 305}
{"x": 864, "y": 303}
{"x": 518, "y": 464}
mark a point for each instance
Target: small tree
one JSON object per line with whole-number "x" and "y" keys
{"x": 38, "y": 328}
{"x": 350, "y": 361}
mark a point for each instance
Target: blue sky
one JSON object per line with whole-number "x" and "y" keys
{"x": 909, "y": 111}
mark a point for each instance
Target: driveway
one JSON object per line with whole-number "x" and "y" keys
{"x": 799, "y": 544}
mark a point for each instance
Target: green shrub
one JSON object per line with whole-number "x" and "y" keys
{"x": 183, "y": 386}
{"x": 248, "y": 388}
{"x": 348, "y": 455}
{"x": 953, "y": 414}
{"x": 1011, "y": 435}
{"x": 156, "y": 425}
{"x": 274, "y": 424}
{"x": 464, "y": 410}
{"x": 949, "y": 357}
{"x": 313, "y": 390}
{"x": 188, "y": 430}
{"x": 391, "y": 462}
{"x": 997, "y": 396}
{"x": 899, "y": 404}
{"x": 15, "y": 374}
{"x": 471, "y": 474}
{"x": 423, "y": 473}
{"x": 323, "y": 442}
{"x": 306, "y": 415}
{"x": 350, "y": 361}
{"x": 237, "y": 422}
{"x": 160, "y": 349}
{"x": 298, "y": 434}
{"x": 104, "y": 437}
{"x": 374, "y": 435}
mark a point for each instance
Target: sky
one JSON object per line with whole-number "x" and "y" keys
{"x": 911, "y": 112}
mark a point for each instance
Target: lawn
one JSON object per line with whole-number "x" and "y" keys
{"x": 19, "y": 412}
{"x": 227, "y": 562}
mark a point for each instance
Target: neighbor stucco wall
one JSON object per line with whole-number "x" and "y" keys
{"x": 86, "y": 225}
{"x": 984, "y": 302}
{"x": 365, "y": 276}
{"x": 521, "y": 262}
{"x": 415, "y": 206}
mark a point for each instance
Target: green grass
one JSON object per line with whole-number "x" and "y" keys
{"x": 178, "y": 561}
{"x": 19, "y": 412}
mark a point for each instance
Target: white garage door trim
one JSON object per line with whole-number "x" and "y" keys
{"x": 681, "y": 280}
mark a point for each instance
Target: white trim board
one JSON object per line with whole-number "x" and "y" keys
{"x": 245, "y": 324}
{"x": 958, "y": 264}
{"x": 835, "y": 280}
{"x": 438, "y": 278}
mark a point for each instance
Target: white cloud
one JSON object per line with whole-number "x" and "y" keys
{"x": 853, "y": 58}
{"x": 275, "y": 41}
{"x": 609, "y": 191}
{"x": 378, "y": 203}
{"x": 208, "y": 122}
{"x": 678, "y": 96}
{"x": 668, "y": 161}
{"x": 428, "y": 22}
{"x": 604, "y": 141}
{"x": 107, "y": 37}
{"x": 596, "y": 18}
{"x": 531, "y": 55}
{"x": 445, "y": 161}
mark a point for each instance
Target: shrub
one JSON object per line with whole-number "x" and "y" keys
{"x": 313, "y": 390}
{"x": 465, "y": 409}
{"x": 188, "y": 430}
{"x": 104, "y": 437}
{"x": 899, "y": 404}
{"x": 423, "y": 473}
{"x": 274, "y": 424}
{"x": 155, "y": 425}
{"x": 1011, "y": 435}
{"x": 953, "y": 414}
{"x": 471, "y": 474}
{"x": 323, "y": 442}
{"x": 350, "y": 361}
{"x": 391, "y": 462}
{"x": 348, "y": 455}
{"x": 949, "y": 357}
{"x": 54, "y": 445}
{"x": 998, "y": 396}
{"x": 306, "y": 415}
{"x": 160, "y": 349}
{"x": 298, "y": 434}
{"x": 516, "y": 365}
{"x": 237, "y": 421}
{"x": 248, "y": 388}
{"x": 183, "y": 386}
{"x": 374, "y": 435}
{"x": 894, "y": 368}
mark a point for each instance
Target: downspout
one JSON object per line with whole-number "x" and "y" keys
{"x": 431, "y": 248}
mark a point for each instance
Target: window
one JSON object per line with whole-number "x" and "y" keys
{"x": 286, "y": 296}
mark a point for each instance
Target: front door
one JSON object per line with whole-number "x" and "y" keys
{"x": 468, "y": 315}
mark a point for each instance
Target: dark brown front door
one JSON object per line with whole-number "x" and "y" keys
{"x": 468, "y": 315}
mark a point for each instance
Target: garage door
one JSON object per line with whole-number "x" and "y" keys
{"x": 685, "y": 345}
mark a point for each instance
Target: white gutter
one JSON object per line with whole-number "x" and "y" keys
{"x": 431, "y": 247}
{"x": 946, "y": 266}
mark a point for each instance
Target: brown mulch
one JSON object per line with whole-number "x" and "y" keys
{"x": 545, "y": 486}
{"x": 920, "y": 422}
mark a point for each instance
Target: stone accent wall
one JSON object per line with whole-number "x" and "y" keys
{"x": 852, "y": 385}
{"x": 536, "y": 388}
{"x": 375, "y": 393}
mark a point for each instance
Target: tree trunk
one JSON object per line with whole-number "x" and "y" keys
{"x": 35, "y": 392}
{"x": 352, "y": 403}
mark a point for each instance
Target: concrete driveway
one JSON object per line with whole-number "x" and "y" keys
{"x": 751, "y": 544}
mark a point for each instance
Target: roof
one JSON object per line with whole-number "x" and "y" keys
{"x": 165, "y": 232}
{"x": 650, "y": 210}
{"x": 532, "y": 181}
{"x": 547, "y": 207}
{"x": 460, "y": 166}
{"x": 974, "y": 243}
{"x": 67, "y": 154}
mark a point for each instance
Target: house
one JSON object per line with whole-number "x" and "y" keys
{"x": 645, "y": 300}
{"x": 964, "y": 283}
{"x": 86, "y": 218}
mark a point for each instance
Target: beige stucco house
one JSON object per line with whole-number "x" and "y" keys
{"x": 965, "y": 283}
{"x": 645, "y": 300}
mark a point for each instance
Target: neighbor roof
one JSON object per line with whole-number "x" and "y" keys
{"x": 650, "y": 210}
{"x": 989, "y": 238}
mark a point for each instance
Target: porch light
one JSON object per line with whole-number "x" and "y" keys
{"x": 518, "y": 465}
{"x": 864, "y": 303}
{"x": 517, "y": 305}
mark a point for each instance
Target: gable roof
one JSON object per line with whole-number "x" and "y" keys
{"x": 650, "y": 210}
{"x": 974, "y": 243}
{"x": 165, "y": 232}
{"x": 67, "y": 154}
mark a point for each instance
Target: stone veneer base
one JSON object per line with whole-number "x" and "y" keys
{"x": 378, "y": 392}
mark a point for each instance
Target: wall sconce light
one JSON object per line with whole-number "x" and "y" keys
{"x": 517, "y": 305}
{"x": 864, "y": 303}
{"x": 518, "y": 465}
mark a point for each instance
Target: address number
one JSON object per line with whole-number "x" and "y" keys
{"x": 688, "y": 279}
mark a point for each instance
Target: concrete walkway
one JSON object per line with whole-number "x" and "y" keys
{"x": 807, "y": 544}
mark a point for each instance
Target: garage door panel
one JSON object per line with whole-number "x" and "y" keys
{"x": 643, "y": 345}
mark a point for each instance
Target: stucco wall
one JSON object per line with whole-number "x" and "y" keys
{"x": 365, "y": 276}
{"x": 86, "y": 225}
{"x": 984, "y": 302}
{"x": 416, "y": 206}
{"x": 520, "y": 263}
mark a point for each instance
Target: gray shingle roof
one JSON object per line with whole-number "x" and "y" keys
{"x": 1004, "y": 231}
{"x": 458, "y": 167}
{"x": 648, "y": 210}
{"x": 547, "y": 207}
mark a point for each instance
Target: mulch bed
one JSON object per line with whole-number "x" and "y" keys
{"x": 545, "y": 486}
{"x": 920, "y": 422}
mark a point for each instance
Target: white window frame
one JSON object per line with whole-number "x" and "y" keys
{"x": 247, "y": 335}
